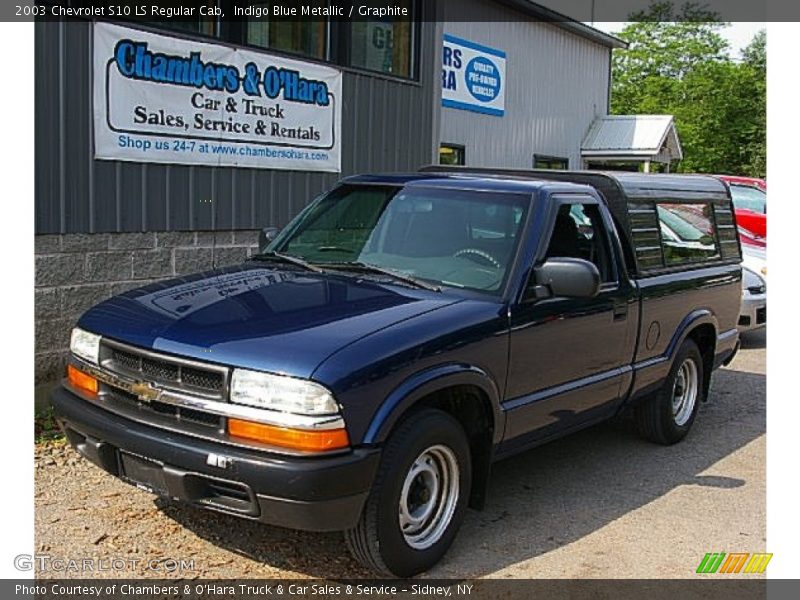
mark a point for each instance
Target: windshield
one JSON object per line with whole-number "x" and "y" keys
{"x": 749, "y": 198}
{"x": 456, "y": 238}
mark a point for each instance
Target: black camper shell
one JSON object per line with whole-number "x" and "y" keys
{"x": 631, "y": 199}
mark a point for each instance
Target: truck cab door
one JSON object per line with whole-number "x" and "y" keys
{"x": 570, "y": 357}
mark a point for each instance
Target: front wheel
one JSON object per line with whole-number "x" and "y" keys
{"x": 667, "y": 416}
{"x": 419, "y": 497}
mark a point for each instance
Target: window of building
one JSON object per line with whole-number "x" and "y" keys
{"x": 540, "y": 161}
{"x": 308, "y": 37}
{"x": 451, "y": 154}
{"x": 208, "y": 26}
{"x": 384, "y": 45}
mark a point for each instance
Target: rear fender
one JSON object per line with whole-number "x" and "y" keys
{"x": 649, "y": 374}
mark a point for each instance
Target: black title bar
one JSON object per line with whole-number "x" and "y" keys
{"x": 586, "y": 11}
{"x": 705, "y": 587}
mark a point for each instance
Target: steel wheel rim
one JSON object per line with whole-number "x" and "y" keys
{"x": 428, "y": 497}
{"x": 684, "y": 392}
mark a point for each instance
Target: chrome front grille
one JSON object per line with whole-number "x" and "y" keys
{"x": 206, "y": 380}
{"x": 159, "y": 370}
{"x": 126, "y": 401}
{"x": 126, "y": 360}
{"x": 181, "y": 395}
{"x": 202, "y": 379}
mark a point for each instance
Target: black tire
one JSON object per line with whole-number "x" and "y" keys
{"x": 377, "y": 541}
{"x": 655, "y": 417}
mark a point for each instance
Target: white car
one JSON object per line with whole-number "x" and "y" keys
{"x": 753, "y": 311}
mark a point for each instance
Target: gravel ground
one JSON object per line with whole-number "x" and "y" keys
{"x": 601, "y": 503}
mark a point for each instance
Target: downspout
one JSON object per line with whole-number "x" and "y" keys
{"x": 608, "y": 82}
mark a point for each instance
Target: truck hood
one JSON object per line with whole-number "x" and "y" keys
{"x": 277, "y": 320}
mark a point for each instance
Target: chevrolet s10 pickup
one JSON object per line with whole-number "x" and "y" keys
{"x": 364, "y": 370}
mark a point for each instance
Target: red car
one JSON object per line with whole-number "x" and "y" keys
{"x": 748, "y": 238}
{"x": 750, "y": 201}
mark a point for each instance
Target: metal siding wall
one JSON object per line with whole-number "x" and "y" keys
{"x": 387, "y": 125}
{"x": 46, "y": 126}
{"x": 557, "y": 83}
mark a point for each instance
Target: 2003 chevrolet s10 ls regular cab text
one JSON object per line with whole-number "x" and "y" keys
{"x": 366, "y": 368}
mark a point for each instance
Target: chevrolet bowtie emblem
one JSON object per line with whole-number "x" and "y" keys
{"x": 145, "y": 392}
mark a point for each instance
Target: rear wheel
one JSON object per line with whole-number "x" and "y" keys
{"x": 419, "y": 497}
{"x": 667, "y": 416}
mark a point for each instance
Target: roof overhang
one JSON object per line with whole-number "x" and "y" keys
{"x": 542, "y": 13}
{"x": 633, "y": 137}
{"x": 621, "y": 153}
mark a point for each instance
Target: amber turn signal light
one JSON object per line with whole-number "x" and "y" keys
{"x": 81, "y": 380}
{"x": 285, "y": 437}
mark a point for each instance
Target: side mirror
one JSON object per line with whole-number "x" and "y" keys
{"x": 266, "y": 236}
{"x": 568, "y": 277}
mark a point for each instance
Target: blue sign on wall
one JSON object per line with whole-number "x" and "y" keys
{"x": 473, "y": 76}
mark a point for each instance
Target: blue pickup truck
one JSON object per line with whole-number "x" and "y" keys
{"x": 366, "y": 368}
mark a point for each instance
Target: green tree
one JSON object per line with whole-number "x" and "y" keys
{"x": 677, "y": 63}
{"x": 754, "y": 65}
{"x": 755, "y": 54}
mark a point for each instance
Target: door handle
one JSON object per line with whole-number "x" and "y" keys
{"x": 620, "y": 311}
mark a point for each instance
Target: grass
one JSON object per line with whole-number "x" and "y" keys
{"x": 45, "y": 427}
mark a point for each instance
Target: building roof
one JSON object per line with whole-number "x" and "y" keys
{"x": 542, "y": 13}
{"x": 644, "y": 137}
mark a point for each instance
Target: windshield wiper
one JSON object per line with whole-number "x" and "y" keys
{"x": 346, "y": 266}
{"x": 287, "y": 258}
{"x": 370, "y": 268}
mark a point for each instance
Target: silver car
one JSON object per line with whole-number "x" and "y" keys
{"x": 753, "y": 311}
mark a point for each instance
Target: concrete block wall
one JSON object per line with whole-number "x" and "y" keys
{"x": 76, "y": 271}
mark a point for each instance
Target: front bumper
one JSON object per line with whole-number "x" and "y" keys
{"x": 308, "y": 493}
{"x": 753, "y": 312}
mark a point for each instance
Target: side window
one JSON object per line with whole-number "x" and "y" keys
{"x": 749, "y": 198}
{"x": 687, "y": 233}
{"x": 579, "y": 232}
{"x": 671, "y": 234}
{"x": 726, "y": 232}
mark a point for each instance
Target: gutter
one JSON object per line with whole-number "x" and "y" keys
{"x": 541, "y": 13}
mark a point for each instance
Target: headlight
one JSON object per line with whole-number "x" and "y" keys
{"x": 85, "y": 345}
{"x": 752, "y": 282}
{"x": 281, "y": 393}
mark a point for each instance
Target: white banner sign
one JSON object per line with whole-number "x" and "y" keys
{"x": 163, "y": 99}
{"x": 473, "y": 76}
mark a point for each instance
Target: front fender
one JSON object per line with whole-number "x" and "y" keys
{"x": 426, "y": 382}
